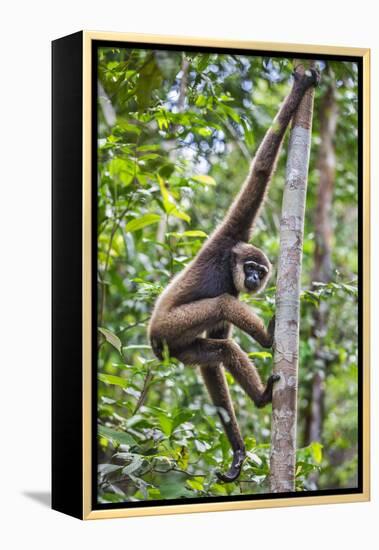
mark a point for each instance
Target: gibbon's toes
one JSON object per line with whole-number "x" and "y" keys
{"x": 296, "y": 74}
{"x": 235, "y": 469}
{"x": 314, "y": 76}
{"x": 228, "y": 477}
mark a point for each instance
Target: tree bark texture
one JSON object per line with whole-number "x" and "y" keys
{"x": 284, "y": 403}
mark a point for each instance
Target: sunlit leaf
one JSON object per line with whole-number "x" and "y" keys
{"x": 260, "y": 354}
{"x": 143, "y": 221}
{"x": 204, "y": 179}
{"x": 189, "y": 234}
{"x": 165, "y": 423}
{"x": 196, "y": 483}
{"x": 317, "y": 451}
{"x": 169, "y": 203}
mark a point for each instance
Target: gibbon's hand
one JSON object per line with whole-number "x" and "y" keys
{"x": 271, "y": 330}
{"x": 310, "y": 77}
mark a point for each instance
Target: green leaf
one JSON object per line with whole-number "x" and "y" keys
{"x": 183, "y": 457}
{"x": 350, "y": 289}
{"x": 105, "y": 498}
{"x": 149, "y": 156}
{"x": 150, "y": 78}
{"x": 195, "y": 233}
{"x": 113, "y": 380}
{"x": 202, "y": 62}
{"x": 254, "y": 458}
{"x": 112, "y": 435}
{"x": 231, "y": 112}
{"x": 201, "y": 101}
{"x": 174, "y": 490}
{"x": 122, "y": 170}
{"x": 169, "y": 203}
{"x": 188, "y": 234}
{"x": 201, "y": 446}
{"x": 305, "y": 468}
{"x": 316, "y": 448}
{"x": 108, "y": 468}
{"x": 151, "y": 147}
{"x": 165, "y": 423}
{"x": 143, "y": 221}
{"x": 133, "y": 466}
{"x": 260, "y": 354}
{"x": 180, "y": 418}
{"x": 111, "y": 338}
{"x": 224, "y": 97}
{"x": 204, "y": 131}
{"x": 136, "y": 347}
{"x": 196, "y": 483}
{"x": 204, "y": 179}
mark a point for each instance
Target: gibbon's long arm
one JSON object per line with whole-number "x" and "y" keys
{"x": 245, "y": 209}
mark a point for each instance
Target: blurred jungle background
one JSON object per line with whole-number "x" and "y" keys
{"x": 176, "y": 135}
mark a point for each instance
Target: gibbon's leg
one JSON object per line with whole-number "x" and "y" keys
{"x": 215, "y": 381}
{"x": 218, "y": 389}
{"x": 209, "y": 353}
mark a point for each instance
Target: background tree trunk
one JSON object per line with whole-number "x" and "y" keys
{"x": 322, "y": 271}
{"x": 284, "y": 404}
{"x": 162, "y": 226}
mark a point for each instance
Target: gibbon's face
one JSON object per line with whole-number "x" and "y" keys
{"x": 255, "y": 275}
{"x": 251, "y": 268}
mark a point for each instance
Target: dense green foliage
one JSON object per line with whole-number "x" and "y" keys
{"x": 176, "y": 134}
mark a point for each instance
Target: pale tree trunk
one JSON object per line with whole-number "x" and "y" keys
{"x": 284, "y": 402}
{"x": 322, "y": 271}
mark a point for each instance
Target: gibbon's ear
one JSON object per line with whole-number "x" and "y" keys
{"x": 238, "y": 251}
{"x": 237, "y": 271}
{"x": 234, "y": 258}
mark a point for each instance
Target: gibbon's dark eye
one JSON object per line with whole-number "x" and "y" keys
{"x": 251, "y": 266}
{"x": 262, "y": 271}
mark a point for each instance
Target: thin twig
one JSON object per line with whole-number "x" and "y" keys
{"x": 143, "y": 394}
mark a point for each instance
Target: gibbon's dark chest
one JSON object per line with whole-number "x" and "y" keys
{"x": 213, "y": 276}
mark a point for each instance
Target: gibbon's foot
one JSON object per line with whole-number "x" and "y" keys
{"x": 311, "y": 77}
{"x": 235, "y": 469}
